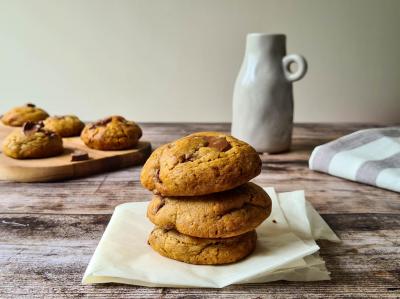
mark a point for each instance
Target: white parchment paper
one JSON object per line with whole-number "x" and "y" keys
{"x": 286, "y": 250}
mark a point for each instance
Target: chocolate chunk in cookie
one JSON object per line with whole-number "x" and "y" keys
{"x": 218, "y": 143}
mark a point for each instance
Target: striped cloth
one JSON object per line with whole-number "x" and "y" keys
{"x": 369, "y": 156}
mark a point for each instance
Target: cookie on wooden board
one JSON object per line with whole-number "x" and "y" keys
{"x": 65, "y": 125}
{"x": 32, "y": 141}
{"x": 112, "y": 133}
{"x": 17, "y": 116}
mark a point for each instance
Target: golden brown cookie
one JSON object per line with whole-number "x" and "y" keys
{"x": 174, "y": 245}
{"x": 218, "y": 215}
{"x": 65, "y": 126}
{"x": 17, "y": 116}
{"x": 111, "y": 133}
{"x": 32, "y": 141}
{"x": 199, "y": 164}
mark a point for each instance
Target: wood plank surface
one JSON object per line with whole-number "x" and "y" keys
{"x": 50, "y": 230}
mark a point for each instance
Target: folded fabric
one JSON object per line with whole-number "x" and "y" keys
{"x": 369, "y": 156}
{"x": 285, "y": 250}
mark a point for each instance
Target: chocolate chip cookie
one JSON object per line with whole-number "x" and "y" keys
{"x": 32, "y": 141}
{"x": 17, "y": 116}
{"x": 65, "y": 126}
{"x": 218, "y": 215}
{"x": 174, "y": 245}
{"x": 199, "y": 164}
{"x": 112, "y": 133}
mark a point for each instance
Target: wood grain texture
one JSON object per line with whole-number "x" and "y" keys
{"x": 51, "y": 252}
{"x": 60, "y": 167}
{"x": 50, "y": 230}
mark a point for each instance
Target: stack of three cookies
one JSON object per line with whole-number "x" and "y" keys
{"x": 204, "y": 208}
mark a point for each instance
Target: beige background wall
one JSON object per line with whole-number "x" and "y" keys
{"x": 177, "y": 60}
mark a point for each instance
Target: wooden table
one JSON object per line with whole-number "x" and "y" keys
{"x": 48, "y": 231}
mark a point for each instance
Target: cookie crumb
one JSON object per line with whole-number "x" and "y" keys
{"x": 274, "y": 221}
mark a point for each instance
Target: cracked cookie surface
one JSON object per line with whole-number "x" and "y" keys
{"x": 111, "y": 133}
{"x": 218, "y": 215}
{"x": 65, "y": 125}
{"x": 198, "y": 164}
{"x": 172, "y": 244}
{"x": 17, "y": 116}
{"x": 32, "y": 141}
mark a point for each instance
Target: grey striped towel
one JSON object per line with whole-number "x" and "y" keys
{"x": 369, "y": 156}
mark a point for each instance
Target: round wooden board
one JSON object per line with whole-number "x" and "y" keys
{"x": 61, "y": 167}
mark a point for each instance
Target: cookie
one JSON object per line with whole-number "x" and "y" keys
{"x": 171, "y": 244}
{"x": 199, "y": 164}
{"x": 65, "y": 126}
{"x": 112, "y": 133}
{"x": 32, "y": 141}
{"x": 17, "y": 116}
{"x": 218, "y": 215}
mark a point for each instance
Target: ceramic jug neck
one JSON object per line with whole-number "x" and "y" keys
{"x": 266, "y": 44}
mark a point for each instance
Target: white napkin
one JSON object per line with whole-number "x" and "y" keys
{"x": 285, "y": 250}
{"x": 370, "y": 156}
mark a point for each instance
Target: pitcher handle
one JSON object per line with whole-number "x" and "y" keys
{"x": 301, "y": 67}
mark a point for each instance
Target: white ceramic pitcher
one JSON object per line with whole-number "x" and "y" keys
{"x": 263, "y": 96}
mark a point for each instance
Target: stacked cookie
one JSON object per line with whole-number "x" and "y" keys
{"x": 204, "y": 208}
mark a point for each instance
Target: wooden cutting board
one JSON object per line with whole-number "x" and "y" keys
{"x": 61, "y": 167}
